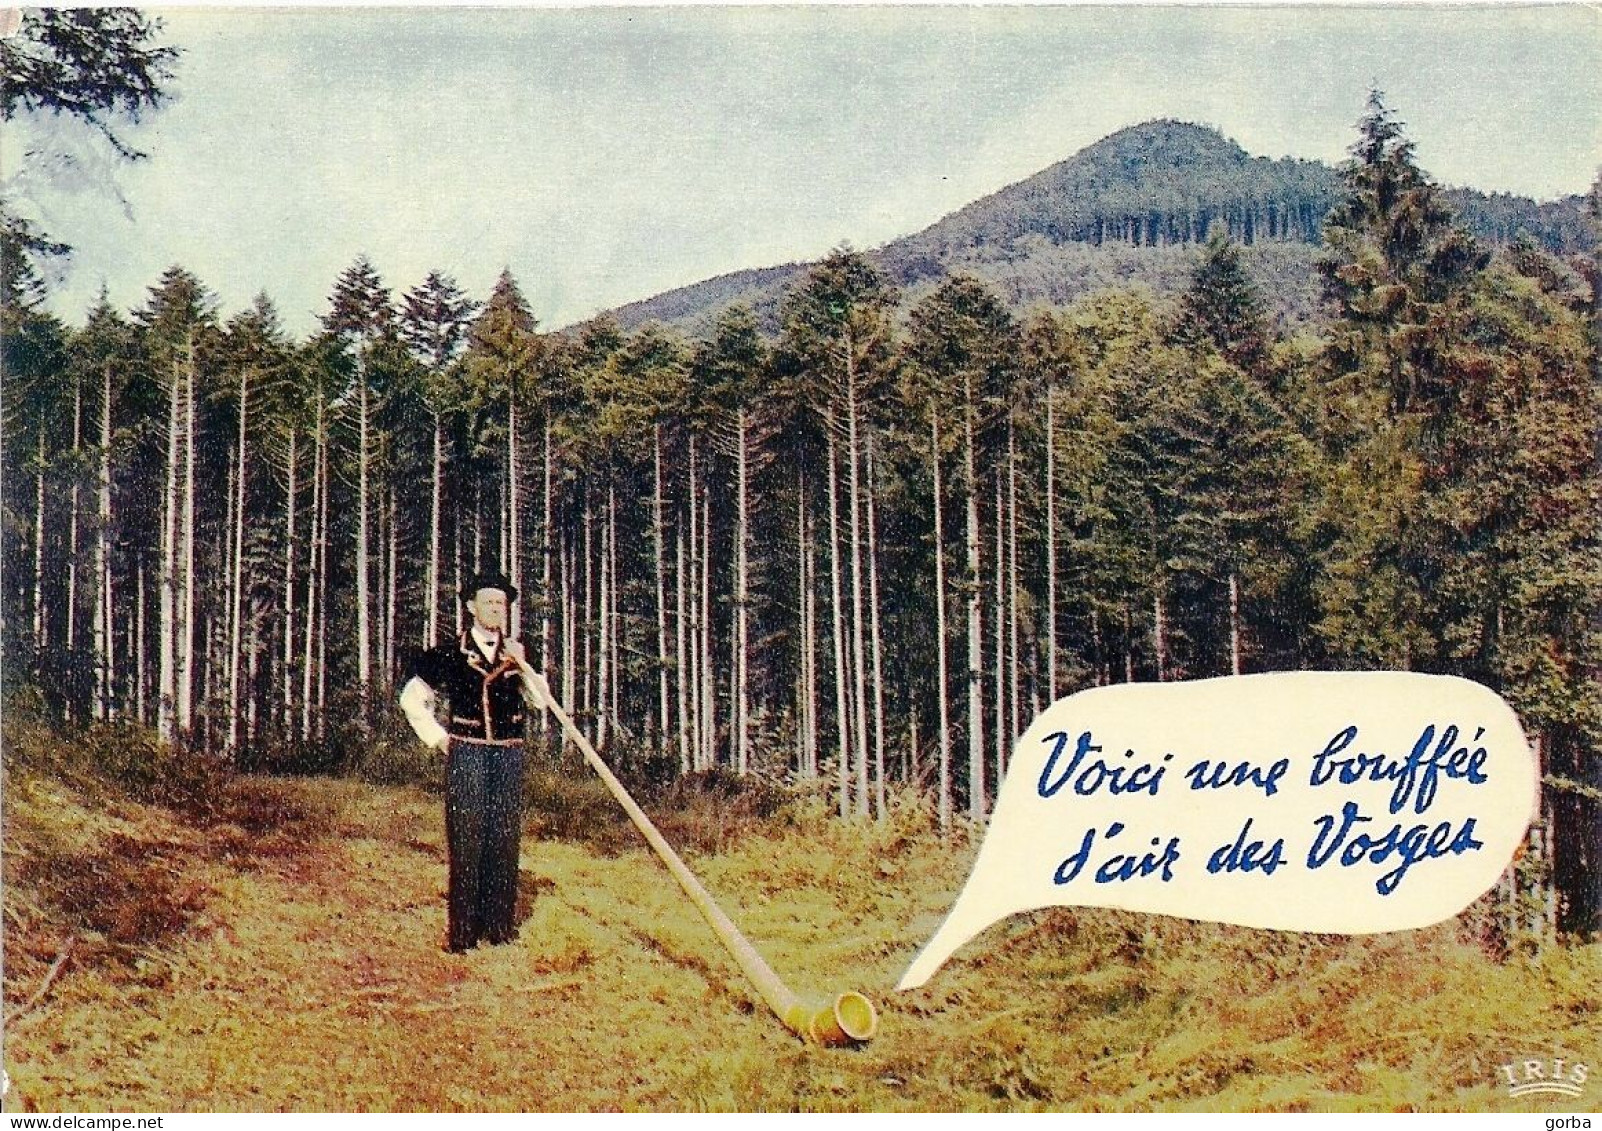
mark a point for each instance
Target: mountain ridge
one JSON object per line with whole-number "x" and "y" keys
{"x": 1127, "y": 208}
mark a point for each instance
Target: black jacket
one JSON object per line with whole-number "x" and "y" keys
{"x": 485, "y": 696}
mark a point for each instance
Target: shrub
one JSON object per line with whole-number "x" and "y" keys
{"x": 150, "y": 770}
{"x": 121, "y": 753}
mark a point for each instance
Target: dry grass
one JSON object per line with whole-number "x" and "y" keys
{"x": 280, "y": 951}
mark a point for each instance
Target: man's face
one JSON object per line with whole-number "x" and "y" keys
{"x": 488, "y": 607}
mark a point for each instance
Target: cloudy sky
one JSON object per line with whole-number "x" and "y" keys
{"x": 606, "y": 154}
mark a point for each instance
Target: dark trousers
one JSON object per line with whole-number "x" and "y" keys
{"x": 483, "y": 820}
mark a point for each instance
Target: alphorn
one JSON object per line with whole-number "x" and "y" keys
{"x": 848, "y": 1019}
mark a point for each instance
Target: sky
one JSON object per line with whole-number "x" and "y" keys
{"x": 604, "y": 155}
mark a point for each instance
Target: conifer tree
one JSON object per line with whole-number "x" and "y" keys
{"x": 33, "y": 353}
{"x": 1394, "y": 262}
{"x": 105, "y": 359}
{"x": 434, "y": 322}
{"x": 98, "y": 65}
{"x": 503, "y": 363}
{"x": 730, "y": 370}
{"x": 837, "y": 326}
{"x": 253, "y": 356}
{"x": 1513, "y": 506}
{"x": 1399, "y": 272}
{"x": 965, "y": 339}
{"x": 1234, "y": 468}
{"x": 178, "y": 327}
{"x": 101, "y": 67}
{"x": 1461, "y": 504}
{"x": 1222, "y": 307}
{"x": 361, "y": 318}
{"x": 1227, "y": 473}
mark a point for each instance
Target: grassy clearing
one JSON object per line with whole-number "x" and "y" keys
{"x": 277, "y": 948}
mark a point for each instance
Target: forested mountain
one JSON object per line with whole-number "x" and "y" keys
{"x": 1129, "y": 209}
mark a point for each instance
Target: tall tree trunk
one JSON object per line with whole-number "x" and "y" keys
{"x": 1014, "y": 674}
{"x": 1033, "y": 667}
{"x": 167, "y": 580}
{"x": 999, "y": 655}
{"x": 1159, "y": 632}
{"x": 604, "y": 632}
{"x": 321, "y": 709}
{"x": 944, "y": 676}
{"x": 380, "y": 588}
{"x": 187, "y": 644}
{"x": 435, "y": 507}
{"x": 697, "y": 701}
{"x": 39, "y": 642}
{"x": 837, "y": 627}
{"x": 709, "y": 693}
{"x": 289, "y": 585}
{"x": 1051, "y": 543}
{"x": 734, "y": 690}
{"x": 314, "y": 538}
{"x": 514, "y": 518}
{"x": 569, "y": 571}
{"x": 391, "y": 591}
{"x": 252, "y": 698}
{"x": 547, "y": 550}
{"x": 1234, "y": 623}
{"x": 105, "y": 672}
{"x": 682, "y": 656}
{"x": 364, "y": 652}
{"x": 800, "y": 632}
{"x": 912, "y": 760}
{"x": 876, "y": 640}
{"x": 805, "y": 600}
{"x": 858, "y": 658}
{"x": 237, "y": 580}
{"x": 1129, "y": 648}
{"x": 72, "y": 524}
{"x": 140, "y": 657}
{"x": 615, "y": 619}
{"x": 478, "y": 525}
{"x": 976, "y": 708}
{"x": 659, "y": 544}
{"x": 453, "y": 599}
{"x": 213, "y": 683}
{"x": 740, "y": 706}
{"x": 814, "y": 684}
{"x": 589, "y": 696}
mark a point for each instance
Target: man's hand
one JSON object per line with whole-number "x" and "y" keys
{"x": 536, "y": 690}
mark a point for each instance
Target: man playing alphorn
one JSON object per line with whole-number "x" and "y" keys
{"x": 484, "y": 678}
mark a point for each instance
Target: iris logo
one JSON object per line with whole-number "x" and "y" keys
{"x": 1554, "y": 1077}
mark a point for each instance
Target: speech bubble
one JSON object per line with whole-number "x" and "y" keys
{"x": 1342, "y": 802}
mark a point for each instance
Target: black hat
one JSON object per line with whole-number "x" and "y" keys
{"x": 488, "y": 581}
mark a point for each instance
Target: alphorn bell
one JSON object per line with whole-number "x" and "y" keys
{"x": 848, "y": 1019}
